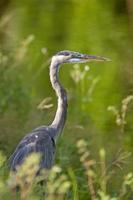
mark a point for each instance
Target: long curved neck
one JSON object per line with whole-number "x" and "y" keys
{"x": 60, "y": 116}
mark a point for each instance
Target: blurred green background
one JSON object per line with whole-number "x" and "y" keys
{"x": 30, "y": 33}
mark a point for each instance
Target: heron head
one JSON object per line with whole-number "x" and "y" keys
{"x": 75, "y": 57}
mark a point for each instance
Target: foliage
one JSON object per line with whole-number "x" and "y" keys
{"x": 55, "y": 184}
{"x": 121, "y": 115}
{"x": 30, "y": 32}
{"x": 13, "y": 93}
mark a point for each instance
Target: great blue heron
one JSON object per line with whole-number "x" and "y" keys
{"x": 43, "y": 139}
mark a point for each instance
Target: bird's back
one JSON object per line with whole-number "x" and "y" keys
{"x": 39, "y": 141}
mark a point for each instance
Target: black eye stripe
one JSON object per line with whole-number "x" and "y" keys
{"x": 63, "y": 53}
{"x": 67, "y": 53}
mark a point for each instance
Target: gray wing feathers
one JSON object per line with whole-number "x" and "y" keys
{"x": 44, "y": 145}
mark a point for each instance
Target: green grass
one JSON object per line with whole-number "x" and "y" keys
{"x": 91, "y": 181}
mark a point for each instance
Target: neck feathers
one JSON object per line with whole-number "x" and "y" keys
{"x": 60, "y": 116}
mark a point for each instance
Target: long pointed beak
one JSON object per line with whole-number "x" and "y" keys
{"x": 83, "y": 58}
{"x": 89, "y": 58}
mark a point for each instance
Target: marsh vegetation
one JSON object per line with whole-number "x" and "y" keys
{"x": 94, "y": 154}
